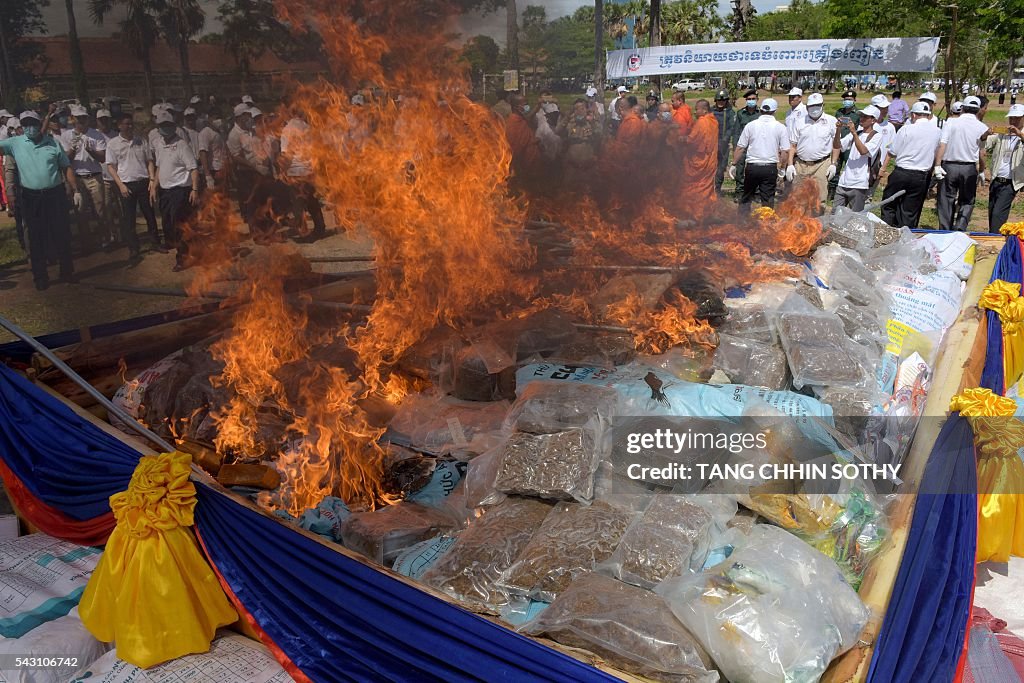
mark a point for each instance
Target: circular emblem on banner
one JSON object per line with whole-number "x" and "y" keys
{"x": 634, "y": 62}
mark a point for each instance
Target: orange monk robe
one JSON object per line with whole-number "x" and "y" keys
{"x": 684, "y": 117}
{"x": 620, "y": 153}
{"x": 700, "y": 161}
{"x": 527, "y": 157}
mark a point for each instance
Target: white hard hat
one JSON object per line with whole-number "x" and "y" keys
{"x": 1016, "y": 110}
{"x": 880, "y": 101}
{"x": 929, "y": 97}
{"x": 769, "y": 104}
{"x": 972, "y": 101}
{"x": 870, "y": 110}
{"x": 241, "y": 109}
{"x": 815, "y": 98}
{"x": 920, "y": 108}
{"x": 796, "y": 92}
{"x": 78, "y": 110}
{"x": 164, "y": 117}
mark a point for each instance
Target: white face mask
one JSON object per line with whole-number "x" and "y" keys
{"x": 815, "y": 112}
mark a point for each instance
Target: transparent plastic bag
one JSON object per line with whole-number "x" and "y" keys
{"x": 480, "y": 474}
{"x": 470, "y": 569}
{"x": 819, "y": 352}
{"x": 441, "y": 424}
{"x": 855, "y": 527}
{"x": 630, "y": 628}
{"x": 671, "y": 537}
{"x": 751, "y": 321}
{"x": 849, "y": 229}
{"x": 383, "y": 534}
{"x": 572, "y": 540}
{"x": 558, "y": 466}
{"x": 775, "y": 611}
{"x": 751, "y": 362}
{"x": 547, "y": 407}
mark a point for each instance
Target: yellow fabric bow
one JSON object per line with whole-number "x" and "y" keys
{"x": 982, "y": 403}
{"x": 1015, "y": 229}
{"x": 1004, "y": 298}
{"x": 153, "y": 593}
{"x": 998, "y": 294}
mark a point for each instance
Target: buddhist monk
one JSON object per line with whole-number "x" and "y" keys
{"x": 527, "y": 158}
{"x": 681, "y": 112}
{"x": 700, "y": 161}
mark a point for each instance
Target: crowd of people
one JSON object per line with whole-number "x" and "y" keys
{"x": 900, "y": 144}
{"x": 96, "y": 170}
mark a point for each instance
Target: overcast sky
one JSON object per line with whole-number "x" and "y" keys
{"x": 492, "y": 24}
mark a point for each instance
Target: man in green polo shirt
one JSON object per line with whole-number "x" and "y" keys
{"x": 42, "y": 169}
{"x": 847, "y": 111}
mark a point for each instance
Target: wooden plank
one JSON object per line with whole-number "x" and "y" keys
{"x": 956, "y": 355}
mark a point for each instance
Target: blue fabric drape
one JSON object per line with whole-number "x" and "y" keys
{"x": 63, "y": 460}
{"x": 340, "y": 620}
{"x": 924, "y": 627}
{"x": 1009, "y": 266}
{"x": 992, "y": 375}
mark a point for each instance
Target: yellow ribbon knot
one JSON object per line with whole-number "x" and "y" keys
{"x": 998, "y": 294}
{"x": 1015, "y": 229}
{"x": 153, "y": 594}
{"x": 982, "y": 402}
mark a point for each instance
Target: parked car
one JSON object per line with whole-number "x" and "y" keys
{"x": 689, "y": 84}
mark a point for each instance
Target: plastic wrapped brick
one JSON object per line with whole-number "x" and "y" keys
{"x": 572, "y": 540}
{"x": 775, "y": 611}
{"x": 850, "y": 230}
{"x": 558, "y": 466}
{"x": 749, "y": 322}
{"x": 670, "y": 537}
{"x": 469, "y": 571}
{"x": 383, "y": 534}
{"x": 630, "y": 628}
{"x": 546, "y": 407}
{"x": 751, "y": 362}
{"x": 819, "y": 352}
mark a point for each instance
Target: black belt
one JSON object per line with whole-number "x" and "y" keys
{"x": 42, "y": 192}
{"x": 816, "y": 161}
{"x": 770, "y": 163}
{"x": 912, "y": 170}
{"x": 1001, "y": 180}
{"x": 961, "y": 163}
{"x": 86, "y": 175}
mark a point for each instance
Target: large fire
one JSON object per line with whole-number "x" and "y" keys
{"x": 425, "y": 175}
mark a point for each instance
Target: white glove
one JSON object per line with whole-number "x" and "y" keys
{"x": 77, "y": 201}
{"x": 210, "y": 182}
{"x": 732, "y": 172}
{"x": 939, "y": 173}
{"x": 831, "y": 172}
{"x": 983, "y": 177}
{"x": 790, "y": 173}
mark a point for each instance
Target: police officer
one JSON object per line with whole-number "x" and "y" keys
{"x": 956, "y": 166}
{"x": 745, "y": 115}
{"x": 846, "y": 112}
{"x": 765, "y": 142}
{"x": 726, "y": 118}
{"x": 914, "y": 150}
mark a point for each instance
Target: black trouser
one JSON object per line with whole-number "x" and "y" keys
{"x": 174, "y": 209}
{"x": 304, "y": 198}
{"x": 957, "y": 190}
{"x": 137, "y": 200}
{"x": 762, "y": 179}
{"x": 45, "y": 213}
{"x": 245, "y": 182}
{"x": 905, "y": 211}
{"x": 1000, "y": 198}
{"x": 723, "y": 164}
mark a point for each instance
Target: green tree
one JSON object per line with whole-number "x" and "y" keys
{"x": 75, "y": 48}
{"x": 532, "y": 41}
{"x": 180, "y": 20}
{"x": 481, "y": 52}
{"x": 692, "y": 21}
{"x": 804, "y": 20}
{"x": 138, "y": 31}
{"x": 251, "y": 28}
{"x": 18, "y": 18}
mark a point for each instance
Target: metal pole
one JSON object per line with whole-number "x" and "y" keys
{"x": 88, "y": 388}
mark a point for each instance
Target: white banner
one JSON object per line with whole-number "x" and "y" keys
{"x": 855, "y": 54}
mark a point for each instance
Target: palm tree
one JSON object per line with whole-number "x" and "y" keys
{"x": 138, "y": 31}
{"x": 181, "y": 20}
{"x": 655, "y": 23}
{"x": 512, "y": 35}
{"x": 77, "y": 65}
{"x": 599, "y": 47}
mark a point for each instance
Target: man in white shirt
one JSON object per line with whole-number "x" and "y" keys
{"x": 888, "y": 131}
{"x": 863, "y": 142}
{"x": 177, "y": 175}
{"x": 957, "y": 163}
{"x": 931, "y": 100}
{"x": 86, "y": 148}
{"x": 765, "y": 142}
{"x": 213, "y": 157}
{"x": 6, "y": 116}
{"x": 811, "y": 139}
{"x": 191, "y": 131}
{"x": 1007, "y": 168}
{"x": 130, "y": 164}
{"x": 797, "y": 109}
{"x": 112, "y": 219}
{"x": 595, "y": 105}
{"x": 620, "y": 92}
{"x": 914, "y": 150}
{"x": 298, "y": 172}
